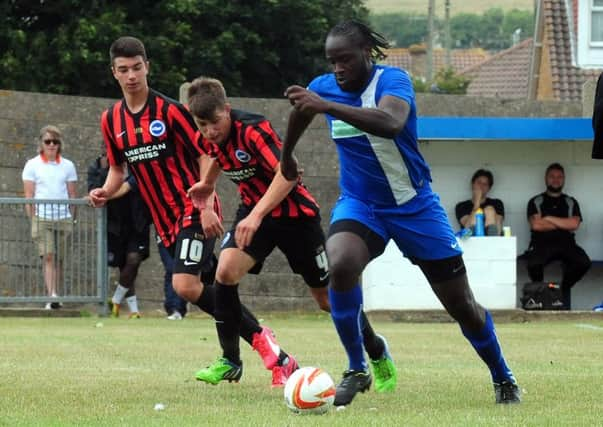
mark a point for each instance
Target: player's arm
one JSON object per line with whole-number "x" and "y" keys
{"x": 121, "y": 191}
{"x": 386, "y": 120}
{"x": 210, "y": 170}
{"x": 278, "y": 189}
{"x": 297, "y": 124}
{"x": 203, "y": 194}
{"x": 201, "y": 191}
{"x": 115, "y": 178}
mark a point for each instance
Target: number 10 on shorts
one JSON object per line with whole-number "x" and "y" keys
{"x": 191, "y": 249}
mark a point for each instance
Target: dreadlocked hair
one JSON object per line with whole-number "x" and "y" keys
{"x": 364, "y": 35}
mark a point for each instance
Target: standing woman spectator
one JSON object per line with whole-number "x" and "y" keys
{"x": 49, "y": 175}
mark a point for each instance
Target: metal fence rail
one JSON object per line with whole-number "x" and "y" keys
{"x": 79, "y": 245}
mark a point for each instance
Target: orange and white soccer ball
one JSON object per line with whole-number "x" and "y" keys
{"x": 309, "y": 391}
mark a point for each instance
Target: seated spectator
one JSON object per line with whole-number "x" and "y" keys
{"x": 494, "y": 209}
{"x": 554, "y": 217}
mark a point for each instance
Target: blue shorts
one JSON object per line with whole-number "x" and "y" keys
{"x": 420, "y": 227}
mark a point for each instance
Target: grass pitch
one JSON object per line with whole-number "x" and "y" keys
{"x": 110, "y": 372}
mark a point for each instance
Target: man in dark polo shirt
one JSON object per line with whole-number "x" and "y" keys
{"x": 554, "y": 217}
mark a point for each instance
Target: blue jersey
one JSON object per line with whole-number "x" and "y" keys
{"x": 376, "y": 170}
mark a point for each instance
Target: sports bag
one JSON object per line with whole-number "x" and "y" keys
{"x": 541, "y": 296}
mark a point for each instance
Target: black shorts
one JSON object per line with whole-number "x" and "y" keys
{"x": 119, "y": 246}
{"x": 300, "y": 239}
{"x": 192, "y": 253}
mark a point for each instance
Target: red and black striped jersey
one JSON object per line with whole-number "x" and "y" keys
{"x": 249, "y": 158}
{"x": 158, "y": 144}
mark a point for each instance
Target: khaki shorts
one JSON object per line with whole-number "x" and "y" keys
{"x": 51, "y": 235}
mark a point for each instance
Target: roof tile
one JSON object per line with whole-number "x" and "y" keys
{"x": 504, "y": 75}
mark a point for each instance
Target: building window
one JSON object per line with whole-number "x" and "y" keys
{"x": 596, "y": 29}
{"x": 589, "y": 33}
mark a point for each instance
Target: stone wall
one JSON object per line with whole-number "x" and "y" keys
{"x": 23, "y": 114}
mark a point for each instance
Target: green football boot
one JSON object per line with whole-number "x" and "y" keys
{"x": 221, "y": 370}
{"x": 384, "y": 370}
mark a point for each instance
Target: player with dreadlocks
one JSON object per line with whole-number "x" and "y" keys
{"x": 385, "y": 194}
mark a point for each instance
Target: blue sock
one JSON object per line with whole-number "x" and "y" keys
{"x": 486, "y": 344}
{"x": 346, "y": 307}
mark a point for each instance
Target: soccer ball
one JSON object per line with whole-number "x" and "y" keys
{"x": 309, "y": 391}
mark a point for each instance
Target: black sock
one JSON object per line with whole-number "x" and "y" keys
{"x": 228, "y": 320}
{"x": 249, "y": 324}
{"x": 207, "y": 300}
{"x": 372, "y": 344}
{"x": 283, "y": 358}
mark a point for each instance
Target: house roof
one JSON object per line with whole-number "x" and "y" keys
{"x": 504, "y": 75}
{"x": 413, "y": 59}
{"x": 566, "y": 79}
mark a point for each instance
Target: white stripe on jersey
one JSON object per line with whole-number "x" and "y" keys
{"x": 387, "y": 153}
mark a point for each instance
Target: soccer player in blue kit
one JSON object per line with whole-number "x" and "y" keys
{"x": 385, "y": 194}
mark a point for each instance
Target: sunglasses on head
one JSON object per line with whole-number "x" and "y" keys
{"x": 52, "y": 141}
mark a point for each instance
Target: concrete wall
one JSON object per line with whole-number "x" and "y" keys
{"x": 518, "y": 169}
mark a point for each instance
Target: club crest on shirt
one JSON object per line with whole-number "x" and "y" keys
{"x": 242, "y": 156}
{"x": 157, "y": 128}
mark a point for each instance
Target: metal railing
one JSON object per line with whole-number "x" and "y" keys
{"x": 75, "y": 248}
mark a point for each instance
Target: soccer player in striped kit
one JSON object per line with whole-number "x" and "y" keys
{"x": 273, "y": 213}
{"x": 155, "y": 136}
{"x": 385, "y": 194}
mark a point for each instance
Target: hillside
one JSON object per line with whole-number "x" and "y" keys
{"x": 456, "y": 6}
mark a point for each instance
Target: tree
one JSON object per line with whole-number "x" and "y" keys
{"x": 519, "y": 19}
{"x": 493, "y": 30}
{"x": 402, "y": 29}
{"x": 465, "y": 30}
{"x": 447, "y": 81}
{"x": 257, "y": 48}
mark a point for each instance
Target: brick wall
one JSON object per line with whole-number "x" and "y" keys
{"x": 518, "y": 169}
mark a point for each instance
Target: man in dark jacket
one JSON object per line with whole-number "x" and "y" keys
{"x": 128, "y": 224}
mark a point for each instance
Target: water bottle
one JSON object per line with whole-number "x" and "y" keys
{"x": 479, "y": 223}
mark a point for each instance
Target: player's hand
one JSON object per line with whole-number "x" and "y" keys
{"x": 246, "y": 229}
{"x": 305, "y": 100}
{"x": 199, "y": 193}
{"x": 212, "y": 226}
{"x": 97, "y": 197}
